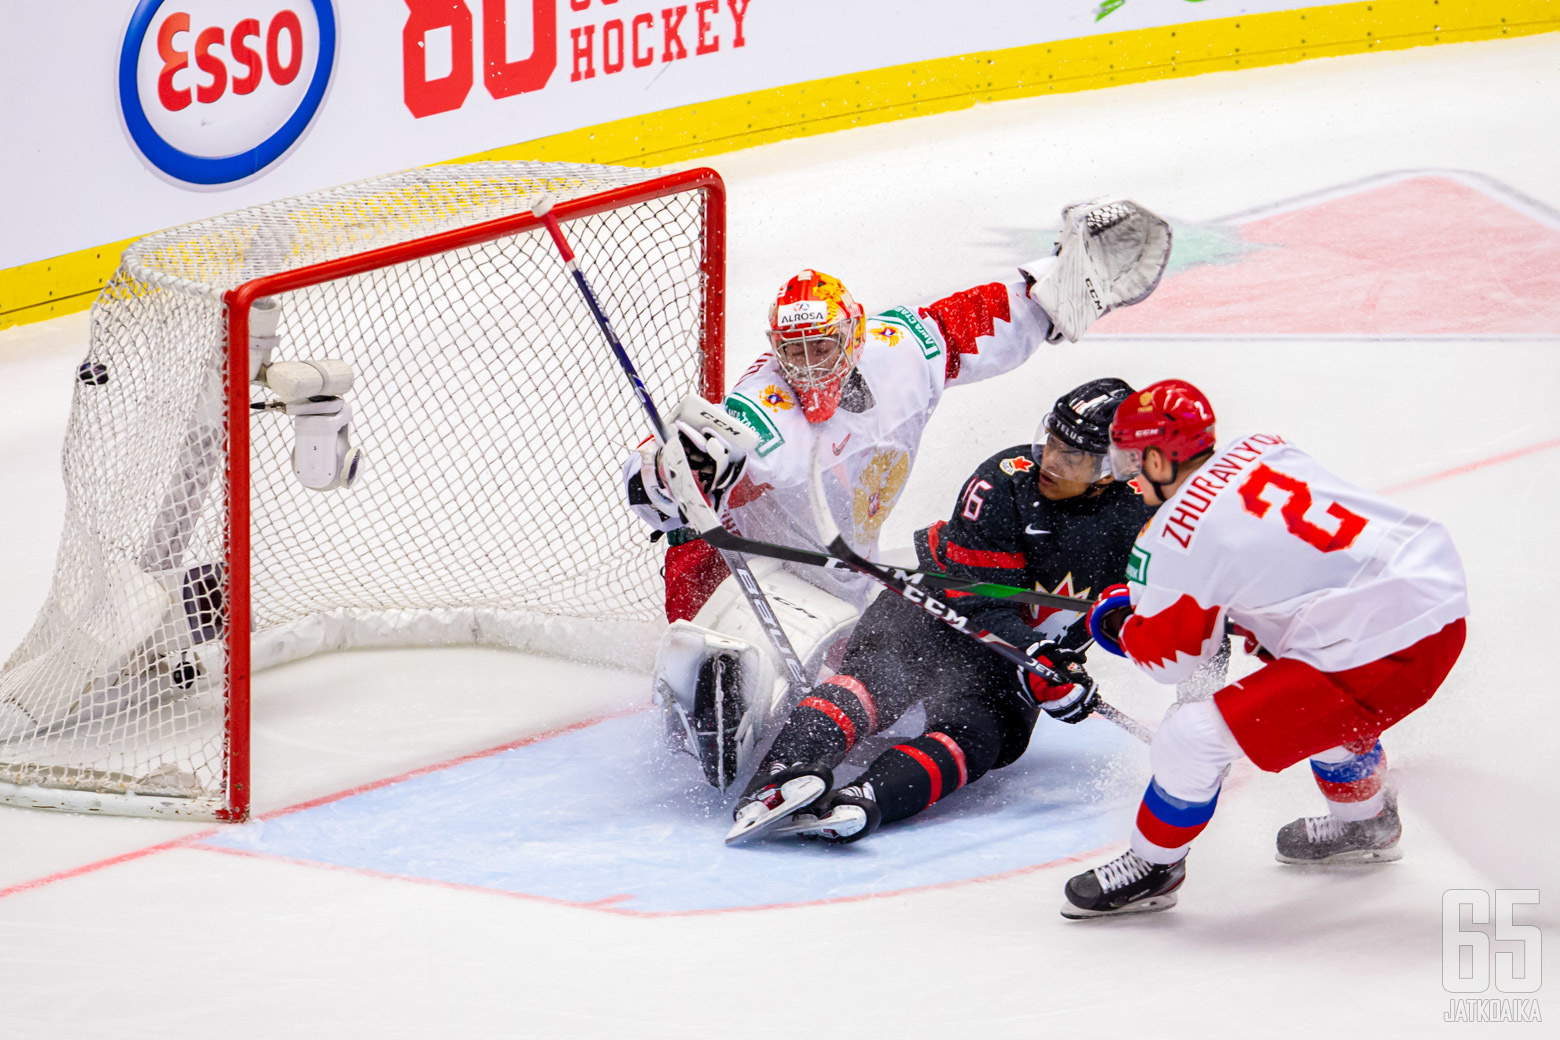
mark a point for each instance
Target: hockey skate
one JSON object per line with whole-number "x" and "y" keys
{"x": 1327, "y": 839}
{"x": 1127, "y": 884}
{"x": 847, "y": 815}
{"x": 774, "y": 796}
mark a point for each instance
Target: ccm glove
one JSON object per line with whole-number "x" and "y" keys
{"x": 716, "y": 467}
{"x": 1109, "y": 613}
{"x": 1069, "y": 701}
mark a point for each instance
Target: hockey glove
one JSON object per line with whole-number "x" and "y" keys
{"x": 1109, "y": 613}
{"x": 716, "y": 465}
{"x": 1073, "y": 700}
{"x": 1249, "y": 642}
{"x": 716, "y": 444}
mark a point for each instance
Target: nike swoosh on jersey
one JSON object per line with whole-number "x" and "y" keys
{"x": 841, "y": 445}
{"x": 1032, "y": 529}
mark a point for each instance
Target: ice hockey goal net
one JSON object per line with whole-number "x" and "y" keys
{"x": 491, "y": 417}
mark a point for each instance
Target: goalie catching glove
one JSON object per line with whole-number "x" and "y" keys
{"x": 717, "y": 446}
{"x": 1071, "y": 701}
{"x": 1111, "y": 253}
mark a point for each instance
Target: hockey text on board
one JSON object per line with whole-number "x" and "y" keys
{"x": 520, "y": 47}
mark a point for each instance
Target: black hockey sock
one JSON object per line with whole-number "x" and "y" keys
{"x": 824, "y": 727}
{"x": 909, "y": 777}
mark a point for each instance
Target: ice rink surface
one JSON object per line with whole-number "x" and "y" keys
{"x": 474, "y": 843}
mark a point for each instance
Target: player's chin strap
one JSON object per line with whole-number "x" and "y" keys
{"x": 684, "y": 488}
{"x": 1159, "y": 489}
{"x": 835, "y": 543}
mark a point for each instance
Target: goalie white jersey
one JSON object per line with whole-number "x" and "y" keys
{"x": 908, "y": 358}
{"x": 1312, "y": 566}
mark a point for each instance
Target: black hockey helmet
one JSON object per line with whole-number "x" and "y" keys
{"x": 1081, "y": 417}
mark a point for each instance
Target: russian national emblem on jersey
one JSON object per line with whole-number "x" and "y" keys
{"x": 879, "y": 331}
{"x": 877, "y": 489}
{"x": 776, "y": 399}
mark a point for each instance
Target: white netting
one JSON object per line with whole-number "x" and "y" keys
{"x": 492, "y": 416}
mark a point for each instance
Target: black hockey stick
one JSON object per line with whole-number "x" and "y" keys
{"x": 836, "y": 544}
{"x": 683, "y": 487}
{"x": 721, "y": 538}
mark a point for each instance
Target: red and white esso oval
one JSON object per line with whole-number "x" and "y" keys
{"x": 215, "y": 91}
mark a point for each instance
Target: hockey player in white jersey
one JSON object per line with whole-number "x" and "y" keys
{"x": 865, "y": 386}
{"x": 1355, "y": 603}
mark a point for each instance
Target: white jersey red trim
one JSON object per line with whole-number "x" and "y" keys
{"x": 907, "y": 359}
{"x": 1314, "y": 567}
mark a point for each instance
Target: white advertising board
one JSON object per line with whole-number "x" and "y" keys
{"x": 120, "y": 117}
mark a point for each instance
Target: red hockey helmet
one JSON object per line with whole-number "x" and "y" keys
{"x": 1171, "y": 415}
{"x": 815, "y": 330}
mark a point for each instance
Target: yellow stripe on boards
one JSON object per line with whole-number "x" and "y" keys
{"x": 61, "y": 285}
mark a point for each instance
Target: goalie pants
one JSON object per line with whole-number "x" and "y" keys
{"x": 693, "y": 571}
{"x": 1283, "y": 713}
{"x": 977, "y": 718}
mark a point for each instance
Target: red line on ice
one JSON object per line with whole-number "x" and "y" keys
{"x": 1469, "y": 467}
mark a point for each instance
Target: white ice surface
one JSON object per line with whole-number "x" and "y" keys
{"x": 193, "y": 943}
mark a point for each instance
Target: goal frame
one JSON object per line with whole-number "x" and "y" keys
{"x": 238, "y": 301}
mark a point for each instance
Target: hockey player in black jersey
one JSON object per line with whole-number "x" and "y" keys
{"x": 1045, "y": 516}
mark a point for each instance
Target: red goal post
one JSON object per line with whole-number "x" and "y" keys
{"x": 487, "y": 512}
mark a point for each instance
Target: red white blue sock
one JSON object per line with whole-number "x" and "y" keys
{"x": 1166, "y": 824}
{"x": 1351, "y": 780}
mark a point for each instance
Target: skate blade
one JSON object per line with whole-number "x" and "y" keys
{"x": 1387, "y": 855}
{"x": 1151, "y": 905}
{"x": 844, "y": 816}
{"x": 797, "y": 794}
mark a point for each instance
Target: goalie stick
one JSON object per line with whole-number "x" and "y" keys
{"x": 683, "y": 487}
{"x": 837, "y": 546}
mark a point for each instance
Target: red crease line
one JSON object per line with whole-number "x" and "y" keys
{"x": 192, "y": 840}
{"x": 608, "y": 904}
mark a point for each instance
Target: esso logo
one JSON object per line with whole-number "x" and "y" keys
{"x": 215, "y": 91}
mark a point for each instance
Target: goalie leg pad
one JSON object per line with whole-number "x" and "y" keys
{"x": 705, "y": 683}
{"x": 719, "y": 667}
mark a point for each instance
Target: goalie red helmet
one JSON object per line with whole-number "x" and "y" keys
{"x": 1171, "y": 415}
{"x": 815, "y": 330}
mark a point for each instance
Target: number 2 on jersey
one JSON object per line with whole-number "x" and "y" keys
{"x": 1297, "y": 501}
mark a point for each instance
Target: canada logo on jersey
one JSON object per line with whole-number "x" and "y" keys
{"x": 1053, "y": 622}
{"x": 1017, "y": 464}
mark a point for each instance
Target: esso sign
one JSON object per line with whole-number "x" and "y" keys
{"x": 215, "y": 91}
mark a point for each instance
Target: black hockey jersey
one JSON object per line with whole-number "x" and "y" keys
{"x": 1002, "y": 530}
